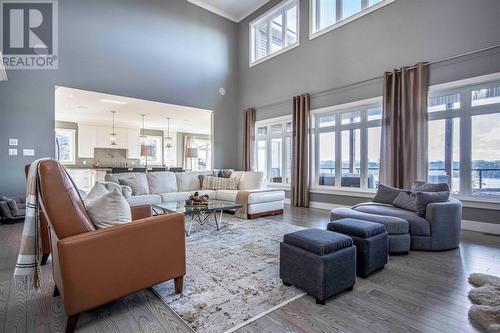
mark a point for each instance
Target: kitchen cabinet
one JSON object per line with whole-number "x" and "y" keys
{"x": 86, "y": 141}
{"x": 133, "y": 145}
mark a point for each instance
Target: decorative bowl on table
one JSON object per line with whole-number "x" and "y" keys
{"x": 197, "y": 200}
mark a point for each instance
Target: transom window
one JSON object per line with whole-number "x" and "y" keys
{"x": 273, "y": 149}
{"x": 464, "y": 127}
{"x": 327, "y": 15}
{"x": 274, "y": 32}
{"x": 346, "y": 141}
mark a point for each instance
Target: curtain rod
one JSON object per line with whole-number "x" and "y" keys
{"x": 322, "y": 92}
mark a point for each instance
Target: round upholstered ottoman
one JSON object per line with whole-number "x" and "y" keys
{"x": 320, "y": 262}
{"x": 371, "y": 240}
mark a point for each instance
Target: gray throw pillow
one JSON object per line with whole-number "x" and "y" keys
{"x": 135, "y": 185}
{"x": 387, "y": 194}
{"x": 12, "y": 205}
{"x": 425, "y": 198}
{"x": 406, "y": 201}
{"x": 421, "y": 186}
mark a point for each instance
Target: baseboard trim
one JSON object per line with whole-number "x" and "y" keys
{"x": 488, "y": 228}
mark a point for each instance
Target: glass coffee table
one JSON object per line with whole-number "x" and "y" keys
{"x": 200, "y": 214}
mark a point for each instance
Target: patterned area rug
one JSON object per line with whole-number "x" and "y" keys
{"x": 232, "y": 275}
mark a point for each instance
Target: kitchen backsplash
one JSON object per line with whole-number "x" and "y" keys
{"x": 110, "y": 157}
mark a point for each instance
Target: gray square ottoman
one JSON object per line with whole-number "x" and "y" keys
{"x": 320, "y": 262}
{"x": 371, "y": 243}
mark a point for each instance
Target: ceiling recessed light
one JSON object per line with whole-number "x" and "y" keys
{"x": 71, "y": 96}
{"x": 112, "y": 101}
{"x": 82, "y": 107}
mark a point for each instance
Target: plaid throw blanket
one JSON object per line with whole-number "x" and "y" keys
{"x": 27, "y": 272}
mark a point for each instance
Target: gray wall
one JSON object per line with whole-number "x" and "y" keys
{"x": 168, "y": 51}
{"x": 402, "y": 33}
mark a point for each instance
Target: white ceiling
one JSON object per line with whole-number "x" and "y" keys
{"x": 87, "y": 107}
{"x": 235, "y": 10}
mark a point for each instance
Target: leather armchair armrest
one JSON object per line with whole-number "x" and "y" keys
{"x": 99, "y": 266}
{"x": 140, "y": 212}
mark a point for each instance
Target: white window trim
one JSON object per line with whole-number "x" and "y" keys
{"x": 465, "y": 114}
{"x": 159, "y": 149}
{"x": 338, "y": 24}
{"x": 315, "y": 130}
{"x": 268, "y": 138}
{"x": 251, "y": 33}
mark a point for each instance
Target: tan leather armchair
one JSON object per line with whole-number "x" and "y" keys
{"x": 93, "y": 267}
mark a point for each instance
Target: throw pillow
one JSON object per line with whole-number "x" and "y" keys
{"x": 12, "y": 205}
{"x": 387, "y": 194}
{"x": 422, "y": 186}
{"x": 161, "y": 182}
{"x": 406, "y": 201}
{"x": 136, "y": 186}
{"x": 227, "y": 173}
{"x": 425, "y": 198}
{"x": 217, "y": 183}
{"x": 107, "y": 208}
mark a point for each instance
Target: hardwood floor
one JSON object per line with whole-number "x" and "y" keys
{"x": 421, "y": 292}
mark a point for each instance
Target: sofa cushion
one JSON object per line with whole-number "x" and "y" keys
{"x": 418, "y": 225}
{"x": 268, "y": 196}
{"x": 387, "y": 194}
{"x": 115, "y": 177}
{"x": 218, "y": 183}
{"x": 393, "y": 225}
{"x": 211, "y": 193}
{"x": 359, "y": 228}
{"x": 425, "y": 198}
{"x": 174, "y": 196}
{"x": 148, "y": 199}
{"x": 188, "y": 181}
{"x": 107, "y": 208}
{"x": 406, "y": 201}
{"x": 422, "y": 186}
{"x": 14, "y": 209}
{"x": 249, "y": 180}
{"x": 226, "y": 195}
{"x": 318, "y": 241}
{"x": 137, "y": 187}
{"x": 161, "y": 182}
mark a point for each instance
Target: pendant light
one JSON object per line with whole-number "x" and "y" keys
{"x": 143, "y": 138}
{"x": 113, "y": 140}
{"x": 168, "y": 145}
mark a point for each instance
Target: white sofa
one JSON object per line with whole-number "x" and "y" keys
{"x": 169, "y": 186}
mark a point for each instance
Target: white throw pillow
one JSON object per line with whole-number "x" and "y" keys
{"x": 161, "y": 182}
{"x": 107, "y": 208}
{"x": 249, "y": 180}
{"x": 188, "y": 181}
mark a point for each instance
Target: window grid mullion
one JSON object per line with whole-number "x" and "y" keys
{"x": 338, "y": 154}
{"x": 364, "y": 151}
{"x": 465, "y": 145}
{"x": 339, "y": 6}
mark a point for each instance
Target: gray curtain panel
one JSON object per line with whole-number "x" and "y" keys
{"x": 248, "y": 139}
{"x": 403, "y": 156}
{"x": 300, "y": 151}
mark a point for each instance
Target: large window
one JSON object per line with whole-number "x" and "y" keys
{"x": 327, "y": 15}
{"x": 346, "y": 143}
{"x": 274, "y": 32}
{"x": 464, "y": 145}
{"x": 65, "y": 145}
{"x": 273, "y": 151}
{"x": 156, "y": 143}
{"x": 204, "y": 151}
